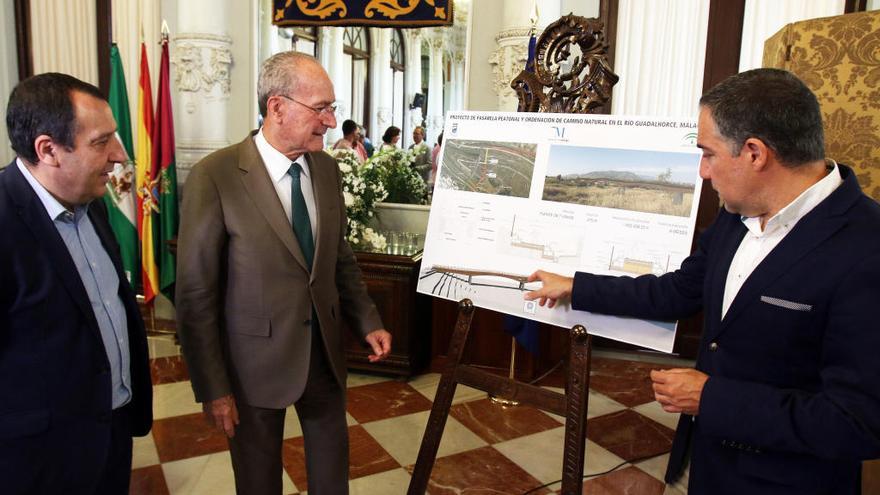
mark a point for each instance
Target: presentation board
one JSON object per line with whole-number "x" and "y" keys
{"x": 517, "y": 192}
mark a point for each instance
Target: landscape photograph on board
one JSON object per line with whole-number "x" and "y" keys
{"x": 660, "y": 182}
{"x": 489, "y": 167}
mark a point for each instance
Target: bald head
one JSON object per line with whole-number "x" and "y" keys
{"x": 282, "y": 74}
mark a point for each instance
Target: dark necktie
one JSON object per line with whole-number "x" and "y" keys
{"x": 302, "y": 226}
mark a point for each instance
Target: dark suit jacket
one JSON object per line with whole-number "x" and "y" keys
{"x": 792, "y": 404}
{"x": 244, "y": 292}
{"x": 55, "y": 386}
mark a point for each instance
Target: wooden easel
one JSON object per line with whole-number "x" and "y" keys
{"x": 572, "y": 405}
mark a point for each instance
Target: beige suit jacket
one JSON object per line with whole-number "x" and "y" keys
{"x": 244, "y": 292}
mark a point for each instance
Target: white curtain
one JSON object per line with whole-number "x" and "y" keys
{"x": 660, "y": 53}
{"x": 63, "y": 38}
{"x": 763, "y": 19}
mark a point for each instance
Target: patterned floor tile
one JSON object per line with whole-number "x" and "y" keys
{"x": 186, "y": 436}
{"x": 655, "y": 466}
{"x": 626, "y": 481}
{"x": 148, "y": 481}
{"x": 358, "y": 379}
{"x": 630, "y": 435}
{"x": 292, "y": 428}
{"x": 208, "y": 475}
{"x": 402, "y": 436}
{"x": 480, "y": 470}
{"x": 384, "y": 400}
{"x": 162, "y": 346}
{"x": 427, "y": 385}
{"x": 655, "y": 411}
{"x": 366, "y": 457}
{"x": 389, "y": 482}
{"x": 597, "y": 405}
{"x": 627, "y": 382}
{"x": 541, "y": 455}
{"x": 169, "y": 369}
{"x": 174, "y": 399}
{"x": 143, "y": 452}
{"x": 495, "y": 423}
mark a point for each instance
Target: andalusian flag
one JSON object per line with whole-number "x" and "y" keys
{"x": 120, "y": 197}
{"x": 163, "y": 162}
{"x": 147, "y": 186}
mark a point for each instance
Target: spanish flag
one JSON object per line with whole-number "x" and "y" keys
{"x": 147, "y": 185}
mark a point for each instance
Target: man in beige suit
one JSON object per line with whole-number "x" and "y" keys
{"x": 265, "y": 277}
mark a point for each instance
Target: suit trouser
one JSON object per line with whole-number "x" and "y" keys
{"x": 257, "y": 444}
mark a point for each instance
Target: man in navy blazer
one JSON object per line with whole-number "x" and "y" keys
{"x": 74, "y": 372}
{"x": 785, "y": 397}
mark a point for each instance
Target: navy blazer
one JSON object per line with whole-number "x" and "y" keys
{"x": 55, "y": 386}
{"x": 792, "y": 404}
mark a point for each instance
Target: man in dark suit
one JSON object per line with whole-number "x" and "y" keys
{"x": 265, "y": 278}
{"x": 74, "y": 372}
{"x": 785, "y": 397}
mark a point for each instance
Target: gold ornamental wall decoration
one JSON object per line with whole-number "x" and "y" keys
{"x": 375, "y": 13}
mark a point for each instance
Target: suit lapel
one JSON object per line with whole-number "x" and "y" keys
{"x": 324, "y": 189}
{"x": 258, "y": 184}
{"x": 33, "y": 215}
{"x": 732, "y": 239}
{"x": 810, "y": 232}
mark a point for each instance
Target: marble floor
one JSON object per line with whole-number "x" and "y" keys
{"x": 485, "y": 448}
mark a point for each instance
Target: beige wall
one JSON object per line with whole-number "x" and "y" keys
{"x": 8, "y": 74}
{"x": 485, "y": 25}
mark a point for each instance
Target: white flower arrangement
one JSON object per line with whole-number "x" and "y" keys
{"x": 403, "y": 183}
{"x": 362, "y": 188}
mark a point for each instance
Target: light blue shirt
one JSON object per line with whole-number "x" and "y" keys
{"x": 100, "y": 280}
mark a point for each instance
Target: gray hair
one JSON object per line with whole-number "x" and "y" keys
{"x": 772, "y": 105}
{"x": 278, "y": 76}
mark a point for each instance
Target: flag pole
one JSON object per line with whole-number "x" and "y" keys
{"x": 501, "y": 401}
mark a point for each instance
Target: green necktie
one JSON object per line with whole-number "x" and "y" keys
{"x": 302, "y": 226}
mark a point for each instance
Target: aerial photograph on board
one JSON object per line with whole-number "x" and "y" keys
{"x": 489, "y": 167}
{"x": 637, "y": 180}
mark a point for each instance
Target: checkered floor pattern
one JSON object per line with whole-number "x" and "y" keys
{"x": 485, "y": 448}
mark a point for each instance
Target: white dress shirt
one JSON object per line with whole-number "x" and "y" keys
{"x": 277, "y": 165}
{"x": 757, "y": 243}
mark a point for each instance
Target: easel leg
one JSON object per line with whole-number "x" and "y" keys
{"x": 578, "y": 393}
{"x": 442, "y": 402}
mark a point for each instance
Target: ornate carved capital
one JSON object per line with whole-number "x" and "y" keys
{"x": 434, "y": 123}
{"x": 507, "y": 61}
{"x": 383, "y": 117}
{"x": 415, "y": 117}
{"x": 201, "y": 61}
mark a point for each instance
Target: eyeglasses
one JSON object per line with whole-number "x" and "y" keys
{"x": 329, "y": 109}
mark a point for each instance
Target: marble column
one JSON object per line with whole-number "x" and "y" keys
{"x": 513, "y": 43}
{"x": 330, "y": 54}
{"x": 380, "y": 83}
{"x": 434, "y": 119}
{"x": 412, "y": 80}
{"x": 457, "y": 82}
{"x": 201, "y": 58}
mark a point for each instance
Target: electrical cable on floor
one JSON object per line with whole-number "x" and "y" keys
{"x": 593, "y": 475}
{"x": 545, "y": 375}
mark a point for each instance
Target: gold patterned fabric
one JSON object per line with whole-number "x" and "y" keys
{"x": 839, "y": 59}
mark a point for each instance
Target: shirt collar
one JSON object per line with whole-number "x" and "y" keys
{"x": 53, "y": 207}
{"x": 276, "y": 163}
{"x": 788, "y": 216}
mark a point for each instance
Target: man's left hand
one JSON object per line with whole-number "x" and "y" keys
{"x": 678, "y": 390}
{"x": 380, "y": 341}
